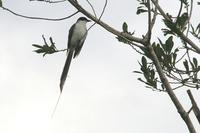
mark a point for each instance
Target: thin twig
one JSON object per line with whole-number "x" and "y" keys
{"x": 148, "y": 35}
{"x": 39, "y": 18}
{"x": 180, "y": 9}
{"x": 195, "y": 108}
{"x": 181, "y": 57}
{"x": 178, "y": 87}
{"x": 104, "y": 8}
{"x": 62, "y": 50}
{"x": 137, "y": 50}
{"x": 154, "y": 18}
{"x": 92, "y": 8}
{"x": 48, "y": 1}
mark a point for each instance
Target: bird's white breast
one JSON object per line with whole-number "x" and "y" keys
{"x": 78, "y": 33}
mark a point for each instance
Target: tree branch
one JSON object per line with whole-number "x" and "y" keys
{"x": 161, "y": 74}
{"x": 170, "y": 92}
{"x": 154, "y": 18}
{"x": 194, "y": 106}
{"x": 104, "y": 25}
{"x": 104, "y": 8}
{"x": 147, "y": 37}
{"x": 48, "y": 1}
{"x": 92, "y": 8}
{"x": 189, "y": 17}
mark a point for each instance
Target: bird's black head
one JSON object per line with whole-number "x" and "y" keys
{"x": 83, "y": 19}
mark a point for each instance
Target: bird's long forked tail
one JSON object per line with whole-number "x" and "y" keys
{"x": 63, "y": 78}
{"x": 65, "y": 70}
{"x": 54, "y": 110}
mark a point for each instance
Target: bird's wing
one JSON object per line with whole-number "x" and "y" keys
{"x": 65, "y": 70}
{"x": 79, "y": 47}
{"x": 70, "y": 35}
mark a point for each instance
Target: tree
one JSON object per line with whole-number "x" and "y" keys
{"x": 165, "y": 65}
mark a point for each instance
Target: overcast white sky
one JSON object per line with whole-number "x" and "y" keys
{"x": 101, "y": 94}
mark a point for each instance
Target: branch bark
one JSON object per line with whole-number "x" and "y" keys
{"x": 163, "y": 78}
{"x": 194, "y": 106}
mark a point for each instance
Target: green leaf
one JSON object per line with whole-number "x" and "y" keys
{"x": 192, "y": 29}
{"x": 1, "y": 3}
{"x": 184, "y": 80}
{"x": 197, "y": 86}
{"x": 169, "y": 44}
{"x": 182, "y": 21}
{"x": 152, "y": 74}
{"x": 125, "y": 27}
{"x": 139, "y": 11}
{"x": 159, "y": 52}
{"x": 141, "y": 80}
{"x": 176, "y": 50}
{"x": 185, "y": 63}
{"x": 184, "y": 2}
{"x": 174, "y": 58}
{"x": 168, "y": 32}
{"x": 46, "y": 48}
{"x": 172, "y": 28}
{"x": 198, "y": 29}
{"x": 121, "y": 39}
{"x": 144, "y": 61}
{"x": 195, "y": 62}
{"x": 137, "y": 72}
{"x": 39, "y": 51}
{"x": 52, "y": 43}
{"x": 161, "y": 43}
{"x": 37, "y": 46}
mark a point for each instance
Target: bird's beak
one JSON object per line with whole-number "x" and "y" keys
{"x": 88, "y": 20}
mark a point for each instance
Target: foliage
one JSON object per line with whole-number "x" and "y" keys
{"x": 142, "y": 8}
{"x": 46, "y": 48}
{"x": 175, "y": 28}
{"x": 126, "y": 31}
{"x": 0, "y": 3}
{"x": 178, "y": 66}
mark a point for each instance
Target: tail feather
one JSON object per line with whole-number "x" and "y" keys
{"x": 65, "y": 70}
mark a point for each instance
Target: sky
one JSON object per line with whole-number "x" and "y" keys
{"x": 101, "y": 93}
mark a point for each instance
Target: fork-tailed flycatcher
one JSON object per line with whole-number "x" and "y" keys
{"x": 76, "y": 38}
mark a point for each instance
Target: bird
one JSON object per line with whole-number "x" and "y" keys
{"x": 76, "y": 38}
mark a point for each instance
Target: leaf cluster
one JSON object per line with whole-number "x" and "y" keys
{"x": 46, "y": 48}
{"x": 176, "y": 63}
{"x": 167, "y": 56}
{"x": 192, "y": 69}
{"x": 149, "y": 73}
{"x": 142, "y": 8}
{"x": 1, "y": 3}
{"x": 175, "y": 28}
{"x": 126, "y": 31}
